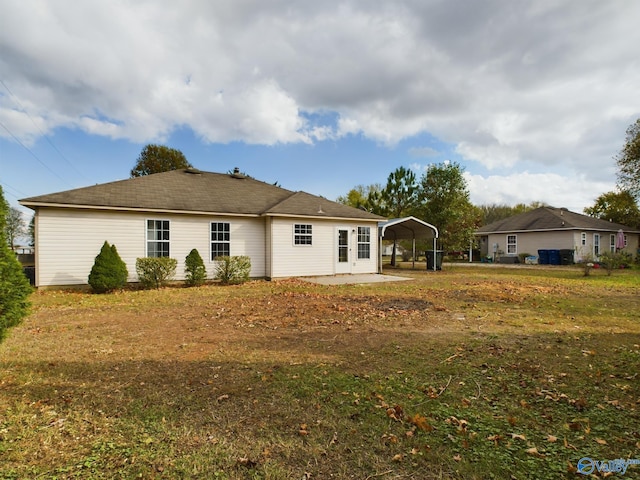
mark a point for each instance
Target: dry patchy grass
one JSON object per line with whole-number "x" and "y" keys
{"x": 465, "y": 373}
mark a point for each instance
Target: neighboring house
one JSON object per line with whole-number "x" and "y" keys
{"x": 387, "y": 250}
{"x": 548, "y": 228}
{"x": 285, "y": 233}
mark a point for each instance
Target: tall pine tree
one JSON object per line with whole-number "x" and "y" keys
{"x": 14, "y": 286}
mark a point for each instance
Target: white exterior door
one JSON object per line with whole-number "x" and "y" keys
{"x": 343, "y": 251}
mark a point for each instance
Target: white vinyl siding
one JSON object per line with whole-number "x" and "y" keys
{"x": 69, "y": 240}
{"x": 320, "y": 258}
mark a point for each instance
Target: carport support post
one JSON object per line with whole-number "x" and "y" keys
{"x": 435, "y": 258}
{"x": 379, "y": 254}
{"x": 414, "y": 252}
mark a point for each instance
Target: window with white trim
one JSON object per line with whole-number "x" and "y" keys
{"x": 220, "y": 239}
{"x": 364, "y": 242}
{"x": 158, "y": 238}
{"x": 583, "y": 238}
{"x": 512, "y": 245}
{"x": 302, "y": 234}
{"x": 612, "y": 243}
{"x": 596, "y": 245}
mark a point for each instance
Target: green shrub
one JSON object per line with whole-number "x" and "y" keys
{"x": 14, "y": 285}
{"x": 194, "y": 268}
{"x": 231, "y": 270}
{"x": 155, "y": 272}
{"x": 614, "y": 260}
{"x": 109, "y": 272}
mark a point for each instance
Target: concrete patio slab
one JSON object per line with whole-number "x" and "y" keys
{"x": 353, "y": 279}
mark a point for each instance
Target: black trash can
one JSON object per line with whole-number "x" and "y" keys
{"x": 30, "y": 273}
{"x": 438, "y": 259}
{"x": 566, "y": 257}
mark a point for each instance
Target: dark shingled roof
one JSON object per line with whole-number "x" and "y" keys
{"x": 191, "y": 190}
{"x": 550, "y": 218}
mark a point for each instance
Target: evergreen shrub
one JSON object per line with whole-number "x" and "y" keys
{"x": 196, "y": 273}
{"x": 109, "y": 272}
{"x": 14, "y": 285}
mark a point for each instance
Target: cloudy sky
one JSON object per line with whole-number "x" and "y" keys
{"x": 531, "y": 98}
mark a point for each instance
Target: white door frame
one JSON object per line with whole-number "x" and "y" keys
{"x": 343, "y": 253}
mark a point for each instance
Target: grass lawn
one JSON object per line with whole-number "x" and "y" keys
{"x": 465, "y": 373}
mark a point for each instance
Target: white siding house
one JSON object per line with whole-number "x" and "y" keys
{"x": 285, "y": 234}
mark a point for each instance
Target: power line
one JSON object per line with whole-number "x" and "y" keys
{"x": 32, "y": 154}
{"x": 46, "y": 137}
{"x": 6, "y": 185}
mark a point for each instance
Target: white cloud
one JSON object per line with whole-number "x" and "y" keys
{"x": 547, "y": 83}
{"x": 573, "y": 192}
{"x": 423, "y": 152}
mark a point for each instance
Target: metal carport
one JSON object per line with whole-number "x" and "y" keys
{"x": 407, "y": 228}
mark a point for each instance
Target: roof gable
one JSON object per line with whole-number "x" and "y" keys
{"x": 548, "y": 219}
{"x": 190, "y": 190}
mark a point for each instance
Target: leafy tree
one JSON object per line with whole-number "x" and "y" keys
{"x": 368, "y": 198}
{"x": 14, "y": 226}
{"x": 31, "y": 231}
{"x": 14, "y": 286}
{"x": 109, "y": 272}
{"x": 400, "y": 197}
{"x": 628, "y": 161}
{"x": 619, "y": 207}
{"x": 494, "y": 212}
{"x": 401, "y": 193}
{"x": 159, "y": 158}
{"x": 196, "y": 273}
{"x": 445, "y": 203}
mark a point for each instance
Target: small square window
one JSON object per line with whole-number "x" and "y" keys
{"x": 302, "y": 234}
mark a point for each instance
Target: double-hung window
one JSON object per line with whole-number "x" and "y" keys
{"x": 364, "y": 242}
{"x": 612, "y": 243}
{"x": 220, "y": 239}
{"x": 158, "y": 238}
{"x": 302, "y": 234}
{"x": 512, "y": 245}
{"x": 596, "y": 245}
{"x": 583, "y": 239}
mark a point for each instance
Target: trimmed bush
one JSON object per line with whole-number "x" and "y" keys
{"x": 233, "y": 270}
{"x": 14, "y": 285}
{"x": 155, "y": 272}
{"x": 614, "y": 260}
{"x": 194, "y": 268}
{"x": 109, "y": 272}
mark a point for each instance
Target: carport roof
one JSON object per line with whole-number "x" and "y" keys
{"x": 407, "y": 228}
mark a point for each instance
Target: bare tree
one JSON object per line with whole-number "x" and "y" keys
{"x": 14, "y": 226}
